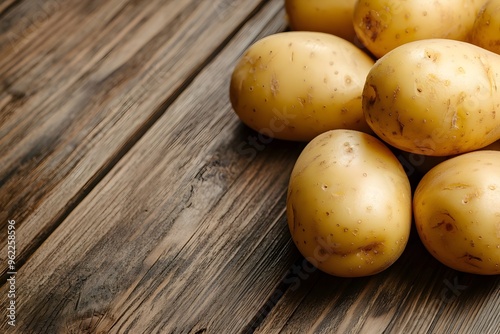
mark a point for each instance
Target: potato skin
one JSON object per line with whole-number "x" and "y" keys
{"x": 349, "y": 204}
{"x": 296, "y": 85}
{"x": 328, "y": 16}
{"x": 444, "y": 100}
{"x": 457, "y": 212}
{"x": 382, "y": 25}
{"x": 486, "y": 30}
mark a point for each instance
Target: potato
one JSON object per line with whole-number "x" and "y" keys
{"x": 457, "y": 212}
{"x": 382, "y": 25}
{"x": 349, "y": 204}
{"x": 329, "y": 16}
{"x": 486, "y": 30}
{"x": 296, "y": 85}
{"x": 443, "y": 101}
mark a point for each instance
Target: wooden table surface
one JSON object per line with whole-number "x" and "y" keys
{"x": 142, "y": 205}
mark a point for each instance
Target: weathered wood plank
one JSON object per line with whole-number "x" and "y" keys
{"x": 4, "y": 7}
{"x": 22, "y": 21}
{"x": 415, "y": 295}
{"x": 90, "y": 82}
{"x": 177, "y": 237}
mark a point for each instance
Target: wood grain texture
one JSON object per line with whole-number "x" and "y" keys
{"x": 415, "y": 295}
{"x": 194, "y": 215}
{"x": 4, "y": 8}
{"x": 143, "y": 205}
{"x": 83, "y": 86}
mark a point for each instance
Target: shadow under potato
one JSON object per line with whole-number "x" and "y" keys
{"x": 250, "y": 144}
{"x": 415, "y": 281}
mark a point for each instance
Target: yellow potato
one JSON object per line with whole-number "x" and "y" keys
{"x": 349, "y": 204}
{"x": 435, "y": 97}
{"x": 329, "y": 16}
{"x": 296, "y": 85}
{"x": 457, "y": 212}
{"x": 382, "y": 25}
{"x": 486, "y": 30}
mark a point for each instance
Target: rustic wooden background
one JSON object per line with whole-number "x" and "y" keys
{"x": 143, "y": 205}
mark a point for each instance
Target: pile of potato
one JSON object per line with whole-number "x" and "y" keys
{"x": 372, "y": 85}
